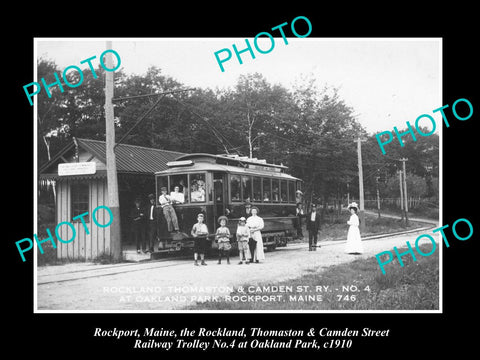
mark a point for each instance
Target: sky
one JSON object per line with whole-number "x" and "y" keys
{"x": 386, "y": 81}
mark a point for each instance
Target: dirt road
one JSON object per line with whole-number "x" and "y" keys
{"x": 173, "y": 284}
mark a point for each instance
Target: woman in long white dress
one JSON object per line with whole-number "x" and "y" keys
{"x": 354, "y": 240}
{"x": 255, "y": 224}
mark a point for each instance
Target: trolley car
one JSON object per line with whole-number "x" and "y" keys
{"x": 218, "y": 185}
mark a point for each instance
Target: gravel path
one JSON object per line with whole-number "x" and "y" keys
{"x": 171, "y": 285}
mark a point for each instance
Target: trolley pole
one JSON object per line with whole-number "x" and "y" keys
{"x": 361, "y": 212}
{"x": 112, "y": 182}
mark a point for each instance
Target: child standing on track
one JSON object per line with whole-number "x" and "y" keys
{"x": 200, "y": 233}
{"x": 223, "y": 238}
{"x": 243, "y": 233}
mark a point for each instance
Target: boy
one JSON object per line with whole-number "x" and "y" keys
{"x": 200, "y": 233}
{"x": 243, "y": 233}
{"x": 223, "y": 238}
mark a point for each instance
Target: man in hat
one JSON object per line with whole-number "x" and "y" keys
{"x": 313, "y": 225}
{"x": 152, "y": 219}
{"x": 298, "y": 223}
{"x": 138, "y": 225}
{"x": 168, "y": 210}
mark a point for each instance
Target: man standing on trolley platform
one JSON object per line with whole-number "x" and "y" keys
{"x": 152, "y": 216}
{"x": 168, "y": 210}
{"x": 313, "y": 225}
{"x": 137, "y": 216}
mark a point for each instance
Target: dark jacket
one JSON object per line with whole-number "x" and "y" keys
{"x": 313, "y": 225}
{"x": 138, "y": 215}
{"x": 155, "y": 212}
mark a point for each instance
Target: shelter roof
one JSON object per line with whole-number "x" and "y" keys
{"x": 129, "y": 158}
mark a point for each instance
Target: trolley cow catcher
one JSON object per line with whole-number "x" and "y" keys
{"x": 229, "y": 185}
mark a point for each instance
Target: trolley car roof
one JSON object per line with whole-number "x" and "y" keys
{"x": 230, "y": 164}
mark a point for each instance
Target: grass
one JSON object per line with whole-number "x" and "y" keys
{"x": 337, "y": 230}
{"x": 412, "y": 287}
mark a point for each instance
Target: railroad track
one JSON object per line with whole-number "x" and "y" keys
{"x": 109, "y": 270}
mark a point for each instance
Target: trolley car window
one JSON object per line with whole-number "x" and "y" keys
{"x": 197, "y": 187}
{"x": 267, "y": 190}
{"x": 257, "y": 189}
{"x": 283, "y": 191}
{"x": 235, "y": 187}
{"x": 276, "y": 189}
{"x": 291, "y": 191}
{"x": 247, "y": 188}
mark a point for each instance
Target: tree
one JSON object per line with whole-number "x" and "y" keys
{"x": 327, "y": 128}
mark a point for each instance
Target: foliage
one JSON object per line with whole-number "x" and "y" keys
{"x": 310, "y": 128}
{"x": 416, "y": 186}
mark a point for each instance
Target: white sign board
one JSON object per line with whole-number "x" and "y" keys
{"x": 80, "y": 168}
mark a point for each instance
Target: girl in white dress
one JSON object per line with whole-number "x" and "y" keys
{"x": 255, "y": 224}
{"x": 354, "y": 240}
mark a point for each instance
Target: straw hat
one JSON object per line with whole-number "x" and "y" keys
{"x": 223, "y": 217}
{"x": 353, "y": 205}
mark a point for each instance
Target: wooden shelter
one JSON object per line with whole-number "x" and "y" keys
{"x": 80, "y": 177}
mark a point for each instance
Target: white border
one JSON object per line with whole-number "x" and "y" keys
{"x": 35, "y": 186}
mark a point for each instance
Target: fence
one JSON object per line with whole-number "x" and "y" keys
{"x": 394, "y": 203}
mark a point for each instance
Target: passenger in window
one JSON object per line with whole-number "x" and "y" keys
{"x": 176, "y": 196}
{"x": 298, "y": 197}
{"x": 183, "y": 187}
{"x": 265, "y": 197}
{"x": 198, "y": 191}
{"x": 168, "y": 210}
{"x": 275, "y": 194}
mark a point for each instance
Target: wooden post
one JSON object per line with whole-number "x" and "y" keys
{"x": 112, "y": 182}
{"x": 405, "y": 190}
{"x": 361, "y": 212}
{"x": 378, "y": 197}
{"x": 400, "y": 181}
{"x": 348, "y": 193}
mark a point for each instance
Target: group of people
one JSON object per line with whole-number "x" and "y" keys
{"x": 145, "y": 241}
{"x": 312, "y": 218}
{"x": 248, "y": 234}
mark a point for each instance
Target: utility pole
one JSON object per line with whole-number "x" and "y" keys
{"x": 405, "y": 190}
{"x": 400, "y": 181}
{"x": 378, "y": 196}
{"x": 112, "y": 183}
{"x": 348, "y": 192}
{"x": 361, "y": 213}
